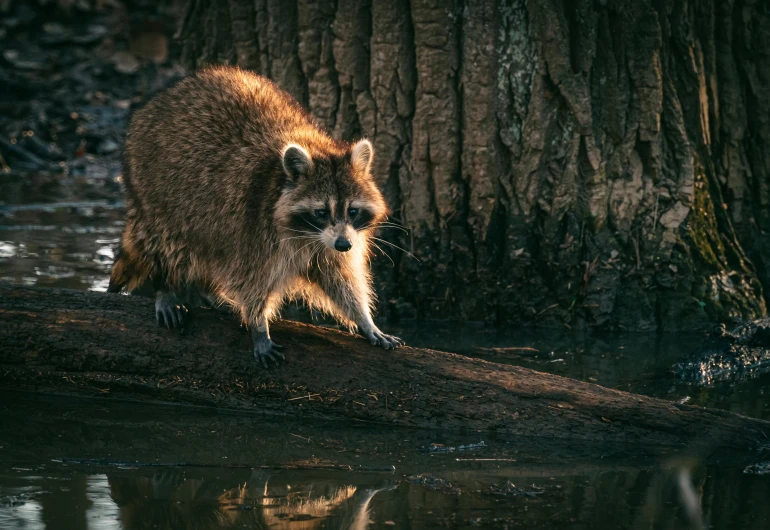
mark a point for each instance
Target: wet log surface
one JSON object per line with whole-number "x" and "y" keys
{"x": 78, "y": 342}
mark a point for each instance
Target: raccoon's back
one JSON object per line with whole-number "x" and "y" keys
{"x": 204, "y": 156}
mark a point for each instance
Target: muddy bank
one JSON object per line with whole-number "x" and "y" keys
{"x": 107, "y": 345}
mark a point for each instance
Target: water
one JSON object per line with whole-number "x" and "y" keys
{"x": 68, "y": 245}
{"x": 80, "y": 464}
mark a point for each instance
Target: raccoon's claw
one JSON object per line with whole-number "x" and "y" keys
{"x": 265, "y": 349}
{"x": 172, "y": 318}
{"x": 169, "y": 311}
{"x": 389, "y": 342}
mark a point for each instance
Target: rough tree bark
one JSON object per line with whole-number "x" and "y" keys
{"x": 107, "y": 345}
{"x": 589, "y": 162}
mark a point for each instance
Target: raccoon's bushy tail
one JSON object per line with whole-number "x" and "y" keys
{"x": 118, "y": 276}
{"x": 129, "y": 270}
{"x": 117, "y": 279}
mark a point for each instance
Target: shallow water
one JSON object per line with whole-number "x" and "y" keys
{"x": 68, "y": 245}
{"x": 84, "y": 464}
{"x": 87, "y": 464}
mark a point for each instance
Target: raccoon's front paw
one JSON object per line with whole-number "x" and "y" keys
{"x": 378, "y": 338}
{"x": 169, "y": 311}
{"x": 265, "y": 349}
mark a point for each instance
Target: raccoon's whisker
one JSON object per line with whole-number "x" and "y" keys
{"x": 392, "y": 225}
{"x": 384, "y": 225}
{"x": 378, "y": 247}
{"x": 394, "y": 220}
{"x": 384, "y": 253}
{"x": 314, "y": 226}
{"x": 296, "y": 237}
{"x": 316, "y": 252}
{"x": 302, "y": 247}
{"x": 320, "y": 251}
{"x": 396, "y": 246}
{"x": 299, "y": 231}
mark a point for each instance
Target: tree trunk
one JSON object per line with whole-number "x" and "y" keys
{"x": 107, "y": 345}
{"x": 582, "y": 162}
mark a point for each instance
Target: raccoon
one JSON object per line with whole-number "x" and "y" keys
{"x": 231, "y": 187}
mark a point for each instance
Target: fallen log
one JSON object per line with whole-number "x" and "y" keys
{"x": 78, "y": 342}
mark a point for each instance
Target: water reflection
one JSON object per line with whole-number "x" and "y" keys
{"x": 102, "y": 511}
{"x": 25, "y": 515}
{"x": 54, "y": 475}
{"x": 171, "y": 498}
{"x": 221, "y": 498}
{"x": 7, "y": 249}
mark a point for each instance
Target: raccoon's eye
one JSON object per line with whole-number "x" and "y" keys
{"x": 352, "y": 212}
{"x": 322, "y": 214}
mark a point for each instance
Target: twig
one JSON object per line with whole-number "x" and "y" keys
{"x": 485, "y": 459}
{"x": 638, "y": 257}
{"x": 508, "y": 349}
{"x": 303, "y": 397}
{"x": 547, "y": 309}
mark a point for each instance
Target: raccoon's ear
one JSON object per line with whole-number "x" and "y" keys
{"x": 296, "y": 161}
{"x": 361, "y": 156}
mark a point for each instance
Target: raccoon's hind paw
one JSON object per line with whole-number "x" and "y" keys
{"x": 265, "y": 349}
{"x": 378, "y": 338}
{"x": 169, "y": 311}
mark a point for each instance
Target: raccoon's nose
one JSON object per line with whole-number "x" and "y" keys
{"x": 342, "y": 244}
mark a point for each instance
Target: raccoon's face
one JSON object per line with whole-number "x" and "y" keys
{"x": 330, "y": 199}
